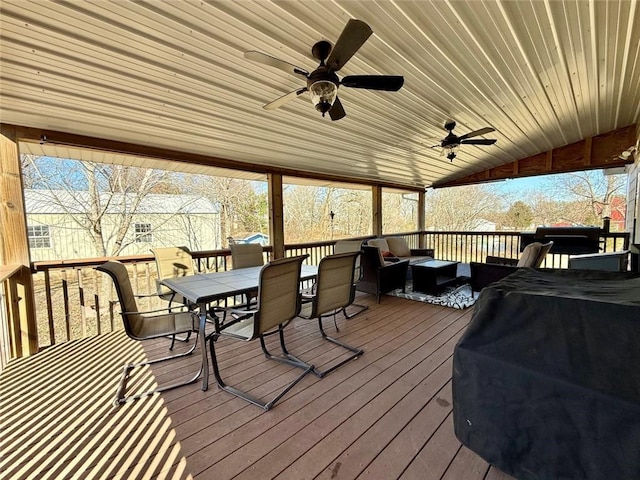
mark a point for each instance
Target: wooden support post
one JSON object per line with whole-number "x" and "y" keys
{"x": 276, "y": 215}
{"x": 421, "y": 218}
{"x": 14, "y": 247}
{"x": 376, "y": 197}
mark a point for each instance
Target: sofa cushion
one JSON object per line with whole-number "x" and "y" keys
{"x": 398, "y": 246}
{"x": 381, "y": 243}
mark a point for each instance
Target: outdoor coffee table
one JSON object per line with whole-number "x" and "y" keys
{"x": 432, "y": 276}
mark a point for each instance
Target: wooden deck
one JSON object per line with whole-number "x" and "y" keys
{"x": 385, "y": 415}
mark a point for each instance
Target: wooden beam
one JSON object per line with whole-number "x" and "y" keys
{"x": 14, "y": 249}
{"x": 601, "y": 151}
{"x": 35, "y": 135}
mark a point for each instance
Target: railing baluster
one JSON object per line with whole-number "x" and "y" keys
{"x": 65, "y": 297}
{"x": 83, "y": 315}
{"x": 47, "y": 293}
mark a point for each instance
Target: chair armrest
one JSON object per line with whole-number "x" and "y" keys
{"x": 238, "y": 311}
{"x": 502, "y": 260}
{"x": 392, "y": 259}
{"x": 159, "y": 310}
{"x": 423, "y": 252}
{"x": 483, "y": 274}
{"x": 396, "y": 265}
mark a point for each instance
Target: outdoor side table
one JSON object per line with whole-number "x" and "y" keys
{"x": 433, "y": 275}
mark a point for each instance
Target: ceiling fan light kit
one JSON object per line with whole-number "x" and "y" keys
{"x": 323, "y": 83}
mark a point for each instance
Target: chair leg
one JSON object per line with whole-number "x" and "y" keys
{"x": 126, "y": 374}
{"x": 246, "y": 396}
{"x": 361, "y": 308}
{"x": 356, "y": 351}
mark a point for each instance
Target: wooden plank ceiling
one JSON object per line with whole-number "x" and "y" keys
{"x": 171, "y": 75}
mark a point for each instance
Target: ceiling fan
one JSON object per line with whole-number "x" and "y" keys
{"x": 323, "y": 83}
{"x": 452, "y": 142}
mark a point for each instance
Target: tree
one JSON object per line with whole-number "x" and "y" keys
{"x": 461, "y": 208}
{"x": 518, "y": 217}
{"x": 588, "y": 196}
{"x": 243, "y": 204}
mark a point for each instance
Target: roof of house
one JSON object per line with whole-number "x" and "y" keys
{"x": 62, "y": 201}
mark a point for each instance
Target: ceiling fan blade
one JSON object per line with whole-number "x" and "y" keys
{"x": 278, "y": 102}
{"x": 389, "y": 83}
{"x": 337, "y": 111}
{"x": 479, "y": 141}
{"x": 355, "y": 33}
{"x": 475, "y": 133}
{"x": 275, "y": 62}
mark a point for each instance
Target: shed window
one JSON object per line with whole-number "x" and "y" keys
{"x": 143, "y": 233}
{"x": 39, "y": 236}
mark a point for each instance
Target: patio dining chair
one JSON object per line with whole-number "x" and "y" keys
{"x": 244, "y": 255}
{"x": 332, "y": 292}
{"x": 346, "y": 246}
{"x": 172, "y": 262}
{"x": 278, "y": 303}
{"x": 141, "y": 325}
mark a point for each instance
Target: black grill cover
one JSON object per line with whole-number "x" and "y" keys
{"x": 546, "y": 379}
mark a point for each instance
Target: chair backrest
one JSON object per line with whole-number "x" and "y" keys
{"x": 131, "y": 319}
{"x": 172, "y": 262}
{"x": 371, "y": 258}
{"x": 245, "y": 255}
{"x": 348, "y": 246}
{"x": 278, "y": 293}
{"x": 334, "y": 287}
{"x": 398, "y": 246}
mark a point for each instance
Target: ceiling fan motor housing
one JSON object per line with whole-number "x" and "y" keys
{"x": 323, "y": 84}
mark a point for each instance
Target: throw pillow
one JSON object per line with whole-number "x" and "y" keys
{"x": 530, "y": 255}
{"x": 399, "y": 247}
{"x": 386, "y": 253}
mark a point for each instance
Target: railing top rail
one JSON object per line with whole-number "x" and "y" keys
{"x": 8, "y": 271}
{"x": 42, "y": 266}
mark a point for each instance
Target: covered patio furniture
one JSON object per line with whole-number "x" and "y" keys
{"x": 332, "y": 292}
{"x": 496, "y": 268}
{"x": 141, "y": 325}
{"x": 380, "y": 276}
{"x": 545, "y": 378}
{"x": 346, "y": 246}
{"x": 278, "y": 303}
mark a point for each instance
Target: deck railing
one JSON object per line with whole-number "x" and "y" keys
{"x": 75, "y": 301}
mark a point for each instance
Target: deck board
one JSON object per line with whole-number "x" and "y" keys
{"x": 385, "y": 415}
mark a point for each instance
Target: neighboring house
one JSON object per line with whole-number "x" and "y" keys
{"x": 482, "y": 225}
{"x": 260, "y": 238}
{"x": 160, "y": 220}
